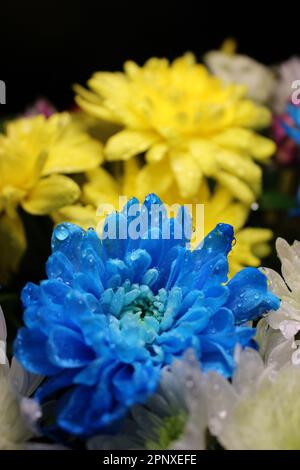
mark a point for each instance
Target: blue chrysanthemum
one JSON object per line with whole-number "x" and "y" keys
{"x": 113, "y": 311}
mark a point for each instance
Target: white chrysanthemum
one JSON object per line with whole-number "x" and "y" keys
{"x": 287, "y": 73}
{"x": 284, "y": 324}
{"x": 241, "y": 69}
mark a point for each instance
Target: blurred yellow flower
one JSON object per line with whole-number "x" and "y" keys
{"x": 34, "y": 152}
{"x": 219, "y": 206}
{"x": 189, "y": 124}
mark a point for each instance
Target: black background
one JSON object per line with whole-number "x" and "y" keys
{"x": 48, "y": 45}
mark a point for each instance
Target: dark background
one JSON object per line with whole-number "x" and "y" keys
{"x": 48, "y": 45}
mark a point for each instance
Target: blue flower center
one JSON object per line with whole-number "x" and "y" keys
{"x": 144, "y": 303}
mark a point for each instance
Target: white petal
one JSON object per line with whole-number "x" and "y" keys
{"x": 3, "y": 330}
{"x": 221, "y": 398}
{"x": 23, "y": 382}
{"x": 277, "y": 284}
{"x": 249, "y": 369}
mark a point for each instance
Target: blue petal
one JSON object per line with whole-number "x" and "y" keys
{"x": 292, "y": 132}
{"x": 67, "y": 238}
{"x": 59, "y": 266}
{"x": 31, "y": 351}
{"x": 249, "y": 296}
{"x": 59, "y": 381}
{"x": 134, "y": 383}
{"x": 217, "y": 358}
{"x": 294, "y": 112}
{"x": 73, "y": 409}
{"x": 67, "y": 349}
{"x": 30, "y": 295}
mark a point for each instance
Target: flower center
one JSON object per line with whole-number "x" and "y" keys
{"x": 142, "y": 302}
{"x": 171, "y": 428}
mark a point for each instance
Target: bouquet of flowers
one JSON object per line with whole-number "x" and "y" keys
{"x": 136, "y": 311}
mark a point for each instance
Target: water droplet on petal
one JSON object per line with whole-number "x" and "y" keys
{"x": 223, "y": 414}
{"x": 189, "y": 383}
{"x": 61, "y": 232}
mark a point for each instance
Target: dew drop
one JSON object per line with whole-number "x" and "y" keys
{"x": 189, "y": 383}
{"x": 61, "y": 233}
{"x": 223, "y": 414}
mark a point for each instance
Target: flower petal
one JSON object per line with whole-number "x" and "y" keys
{"x": 50, "y": 194}
{"x": 73, "y": 152}
{"x": 126, "y": 144}
{"x": 245, "y": 140}
{"x": 12, "y": 245}
{"x": 187, "y": 173}
{"x": 237, "y": 187}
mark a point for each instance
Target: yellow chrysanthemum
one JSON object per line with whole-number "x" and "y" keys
{"x": 34, "y": 152}
{"x": 188, "y": 123}
{"x": 219, "y": 206}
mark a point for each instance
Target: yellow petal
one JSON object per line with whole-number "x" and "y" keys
{"x": 103, "y": 179}
{"x": 255, "y": 235}
{"x": 188, "y": 59}
{"x": 235, "y": 214}
{"x": 187, "y": 173}
{"x": 246, "y": 141}
{"x": 126, "y": 144}
{"x": 237, "y": 187}
{"x": 220, "y": 199}
{"x": 154, "y": 178}
{"x": 12, "y": 245}
{"x": 106, "y": 84}
{"x": 84, "y": 216}
{"x": 101, "y": 187}
{"x": 74, "y": 151}
{"x": 262, "y": 147}
{"x": 222, "y": 208}
{"x": 241, "y": 166}
{"x": 205, "y": 154}
{"x": 10, "y": 198}
{"x": 132, "y": 169}
{"x": 96, "y": 110}
{"x": 229, "y": 46}
{"x": 92, "y": 104}
{"x": 248, "y": 114}
{"x": 23, "y": 151}
{"x": 251, "y": 245}
{"x": 51, "y": 193}
{"x": 156, "y": 153}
